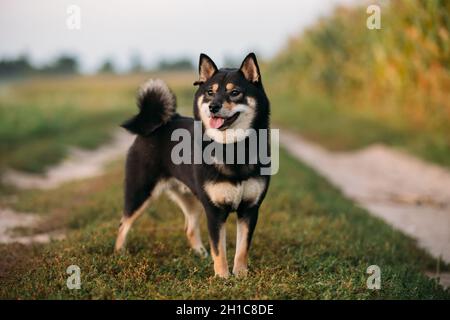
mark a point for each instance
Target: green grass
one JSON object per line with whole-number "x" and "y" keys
{"x": 310, "y": 243}
{"x": 322, "y": 120}
{"x": 40, "y": 118}
{"x": 347, "y": 86}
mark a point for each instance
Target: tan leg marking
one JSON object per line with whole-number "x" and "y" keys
{"x": 125, "y": 225}
{"x": 241, "y": 257}
{"x": 126, "y": 222}
{"x": 192, "y": 210}
{"x": 220, "y": 259}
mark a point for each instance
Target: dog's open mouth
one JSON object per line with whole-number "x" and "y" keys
{"x": 222, "y": 123}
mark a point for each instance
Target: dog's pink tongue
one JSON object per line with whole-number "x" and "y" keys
{"x": 215, "y": 122}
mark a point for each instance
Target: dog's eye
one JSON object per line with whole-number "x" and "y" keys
{"x": 210, "y": 92}
{"x": 235, "y": 93}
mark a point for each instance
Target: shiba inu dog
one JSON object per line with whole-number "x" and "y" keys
{"x": 228, "y": 103}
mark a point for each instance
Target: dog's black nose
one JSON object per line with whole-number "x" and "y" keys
{"x": 214, "y": 107}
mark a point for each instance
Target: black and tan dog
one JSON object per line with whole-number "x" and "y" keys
{"x": 226, "y": 100}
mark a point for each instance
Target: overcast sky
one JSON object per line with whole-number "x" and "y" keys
{"x": 153, "y": 29}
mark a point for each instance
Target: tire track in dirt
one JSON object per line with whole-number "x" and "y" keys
{"x": 409, "y": 194}
{"x": 80, "y": 164}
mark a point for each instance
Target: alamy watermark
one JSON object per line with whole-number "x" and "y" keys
{"x": 374, "y": 280}
{"x": 259, "y": 146}
{"x": 74, "y": 280}
{"x": 73, "y": 21}
{"x": 373, "y": 21}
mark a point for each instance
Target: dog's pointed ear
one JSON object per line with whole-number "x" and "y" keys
{"x": 250, "y": 68}
{"x": 206, "y": 69}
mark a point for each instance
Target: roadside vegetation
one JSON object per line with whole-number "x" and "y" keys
{"x": 347, "y": 86}
{"x": 311, "y": 243}
{"x": 341, "y": 85}
{"x": 41, "y": 118}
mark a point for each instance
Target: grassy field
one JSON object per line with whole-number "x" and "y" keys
{"x": 319, "y": 119}
{"x": 41, "y": 117}
{"x": 310, "y": 243}
{"x": 347, "y": 86}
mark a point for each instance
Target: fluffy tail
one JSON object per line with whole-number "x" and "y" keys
{"x": 157, "y": 105}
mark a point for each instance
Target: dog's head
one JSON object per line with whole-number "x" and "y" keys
{"x": 230, "y": 101}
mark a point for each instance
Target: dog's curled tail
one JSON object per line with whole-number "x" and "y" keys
{"x": 157, "y": 105}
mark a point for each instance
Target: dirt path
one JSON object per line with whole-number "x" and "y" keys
{"x": 80, "y": 164}
{"x": 411, "y": 195}
{"x": 10, "y": 219}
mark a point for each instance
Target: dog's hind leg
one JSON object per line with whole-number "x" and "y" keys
{"x": 137, "y": 198}
{"x": 192, "y": 209}
{"x": 125, "y": 224}
{"x": 140, "y": 181}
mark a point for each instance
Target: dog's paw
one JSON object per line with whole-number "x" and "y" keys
{"x": 120, "y": 251}
{"x": 119, "y": 248}
{"x": 240, "y": 272}
{"x": 201, "y": 252}
{"x": 222, "y": 275}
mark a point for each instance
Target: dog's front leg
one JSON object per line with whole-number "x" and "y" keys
{"x": 217, "y": 237}
{"x": 246, "y": 224}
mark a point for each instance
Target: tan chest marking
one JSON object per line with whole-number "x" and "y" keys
{"x": 233, "y": 194}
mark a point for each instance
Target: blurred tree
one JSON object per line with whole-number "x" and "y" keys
{"x": 232, "y": 61}
{"x": 20, "y": 66}
{"x": 64, "y": 64}
{"x": 177, "y": 64}
{"x": 107, "y": 67}
{"x": 399, "y": 74}
{"x": 136, "y": 63}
